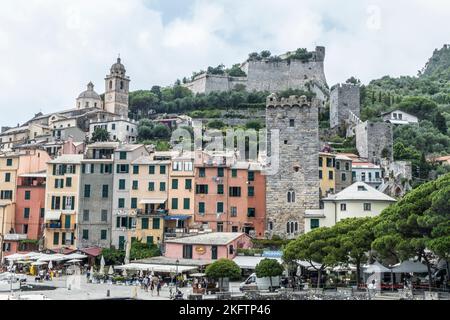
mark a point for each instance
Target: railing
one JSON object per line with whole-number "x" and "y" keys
{"x": 59, "y": 225}
{"x": 141, "y": 212}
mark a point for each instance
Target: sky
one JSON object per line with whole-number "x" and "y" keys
{"x": 51, "y": 49}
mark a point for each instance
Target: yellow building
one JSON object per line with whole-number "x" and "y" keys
{"x": 61, "y": 202}
{"x": 149, "y": 193}
{"x": 327, "y": 174}
{"x": 181, "y": 196}
{"x": 9, "y": 164}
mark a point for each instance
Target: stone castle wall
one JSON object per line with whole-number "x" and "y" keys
{"x": 343, "y": 98}
{"x": 372, "y": 138}
{"x": 298, "y": 169}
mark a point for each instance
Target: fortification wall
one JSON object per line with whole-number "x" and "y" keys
{"x": 344, "y": 98}
{"x": 374, "y": 140}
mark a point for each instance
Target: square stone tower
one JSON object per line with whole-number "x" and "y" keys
{"x": 344, "y": 98}
{"x": 117, "y": 88}
{"x": 293, "y": 184}
{"x": 374, "y": 141}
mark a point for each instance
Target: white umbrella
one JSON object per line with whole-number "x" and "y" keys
{"x": 50, "y": 265}
{"x": 111, "y": 270}
{"x": 124, "y": 272}
{"x": 91, "y": 276}
{"x": 102, "y": 266}
{"x": 141, "y": 273}
{"x": 74, "y": 261}
{"x": 39, "y": 263}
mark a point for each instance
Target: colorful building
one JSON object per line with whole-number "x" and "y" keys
{"x": 62, "y": 202}
{"x": 208, "y": 246}
{"x": 343, "y": 172}
{"x": 327, "y": 174}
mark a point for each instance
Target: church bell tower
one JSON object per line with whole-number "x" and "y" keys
{"x": 117, "y": 86}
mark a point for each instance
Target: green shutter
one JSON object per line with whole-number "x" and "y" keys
{"x": 144, "y": 223}
{"x": 201, "y": 207}
{"x": 67, "y": 222}
{"x": 149, "y": 240}
{"x": 174, "y": 184}
{"x": 188, "y": 184}
{"x": 156, "y": 223}
{"x": 151, "y": 186}
{"x": 133, "y": 203}
{"x": 151, "y": 169}
{"x": 174, "y": 203}
{"x": 56, "y": 238}
{"x": 186, "y": 203}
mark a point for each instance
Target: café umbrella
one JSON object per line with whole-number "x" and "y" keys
{"x": 50, "y": 265}
{"x": 111, "y": 270}
{"x": 102, "y": 266}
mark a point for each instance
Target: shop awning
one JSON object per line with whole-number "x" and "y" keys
{"x": 52, "y": 215}
{"x": 177, "y": 217}
{"x": 410, "y": 266}
{"x": 155, "y": 267}
{"x": 152, "y": 201}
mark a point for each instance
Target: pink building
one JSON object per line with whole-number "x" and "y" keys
{"x": 207, "y": 246}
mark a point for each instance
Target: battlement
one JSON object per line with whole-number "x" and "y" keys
{"x": 345, "y": 86}
{"x": 274, "y": 100}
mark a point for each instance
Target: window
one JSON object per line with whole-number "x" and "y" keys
{"x": 135, "y": 169}
{"x": 291, "y": 196}
{"x": 201, "y": 208}
{"x": 144, "y": 223}
{"x": 123, "y": 168}
{"x": 67, "y": 222}
{"x": 26, "y": 213}
{"x": 367, "y": 207}
{"x": 188, "y": 184}
{"x": 251, "y": 191}
{"x": 235, "y": 191}
{"x": 42, "y": 215}
{"x": 85, "y": 215}
{"x": 122, "y": 184}
{"x": 27, "y": 195}
{"x": 220, "y": 189}
{"x": 151, "y": 186}
{"x": 291, "y": 123}
{"x": 149, "y": 240}
{"x": 87, "y": 190}
{"x": 347, "y": 166}
{"x": 338, "y": 165}
{"x": 174, "y": 203}
{"x": 292, "y": 227}
{"x": 104, "y": 215}
{"x": 105, "y": 191}
{"x": 314, "y": 224}
{"x": 7, "y": 177}
{"x": 320, "y": 174}
{"x": 162, "y": 169}
{"x": 362, "y": 188}
{"x": 186, "y": 203}
{"x": 220, "y": 172}
{"x": 233, "y": 173}
{"x": 85, "y": 234}
{"x": 329, "y": 162}
{"x": 135, "y": 185}
{"x": 162, "y": 186}
{"x": 219, "y": 226}
{"x": 68, "y": 182}
{"x": 251, "y": 176}
{"x": 233, "y": 211}
{"x": 330, "y": 175}
{"x": 219, "y": 207}
{"x": 320, "y": 161}
{"x": 56, "y": 238}
{"x": 174, "y": 184}
{"x": 103, "y": 234}
{"x": 156, "y": 223}
{"x": 6, "y": 194}
{"x": 201, "y": 172}
{"x": 133, "y": 203}
{"x": 25, "y": 228}
{"x": 343, "y": 176}
{"x": 187, "y": 251}
{"x": 121, "y": 242}
{"x": 377, "y": 175}
{"x": 201, "y": 189}
{"x": 123, "y": 155}
{"x": 251, "y": 212}
{"x": 188, "y": 166}
{"x": 234, "y": 229}
{"x": 121, "y": 203}
{"x": 151, "y": 169}
{"x": 59, "y": 183}
{"x": 363, "y": 176}
{"x": 343, "y": 207}
{"x": 9, "y": 162}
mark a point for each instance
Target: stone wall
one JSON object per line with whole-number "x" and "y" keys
{"x": 343, "y": 98}
{"x": 373, "y": 139}
{"x": 298, "y": 170}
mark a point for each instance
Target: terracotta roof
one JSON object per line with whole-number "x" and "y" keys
{"x": 93, "y": 251}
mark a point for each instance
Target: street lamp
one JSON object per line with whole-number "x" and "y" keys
{"x": 176, "y": 275}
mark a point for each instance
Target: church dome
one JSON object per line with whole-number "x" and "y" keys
{"x": 89, "y": 93}
{"x": 118, "y": 68}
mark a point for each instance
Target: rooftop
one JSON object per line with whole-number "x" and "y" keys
{"x": 360, "y": 191}
{"x": 213, "y": 238}
{"x": 68, "y": 159}
{"x": 129, "y": 147}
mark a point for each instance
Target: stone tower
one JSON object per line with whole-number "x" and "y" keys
{"x": 344, "y": 101}
{"x": 374, "y": 141}
{"x": 294, "y": 187}
{"x": 117, "y": 86}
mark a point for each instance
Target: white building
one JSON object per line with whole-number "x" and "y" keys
{"x": 357, "y": 201}
{"x": 120, "y": 129}
{"x": 367, "y": 172}
{"x": 399, "y": 117}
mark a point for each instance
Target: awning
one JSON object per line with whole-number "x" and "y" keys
{"x": 410, "y": 266}
{"x": 177, "y": 217}
{"x": 375, "y": 267}
{"x": 250, "y": 262}
{"x": 52, "y": 215}
{"x": 152, "y": 201}
{"x": 155, "y": 267}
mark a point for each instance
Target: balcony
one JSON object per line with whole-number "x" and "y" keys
{"x": 59, "y": 225}
{"x": 156, "y": 212}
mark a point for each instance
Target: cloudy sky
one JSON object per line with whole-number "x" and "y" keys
{"x": 50, "y": 49}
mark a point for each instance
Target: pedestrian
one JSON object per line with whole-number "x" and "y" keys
{"x": 158, "y": 287}
{"x": 152, "y": 286}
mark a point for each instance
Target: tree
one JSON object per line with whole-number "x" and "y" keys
{"x": 265, "y": 54}
{"x": 223, "y": 268}
{"x": 319, "y": 247}
{"x": 161, "y": 131}
{"x": 113, "y": 256}
{"x": 100, "y": 134}
{"x": 140, "y": 250}
{"x": 402, "y": 152}
{"x": 254, "y": 124}
{"x": 269, "y": 268}
{"x": 353, "y": 80}
{"x": 421, "y": 107}
{"x": 409, "y": 228}
{"x": 440, "y": 122}
{"x": 216, "y": 124}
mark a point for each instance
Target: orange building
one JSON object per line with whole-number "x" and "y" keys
{"x": 229, "y": 195}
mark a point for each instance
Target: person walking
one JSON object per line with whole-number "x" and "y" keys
{"x": 152, "y": 286}
{"x": 158, "y": 288}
